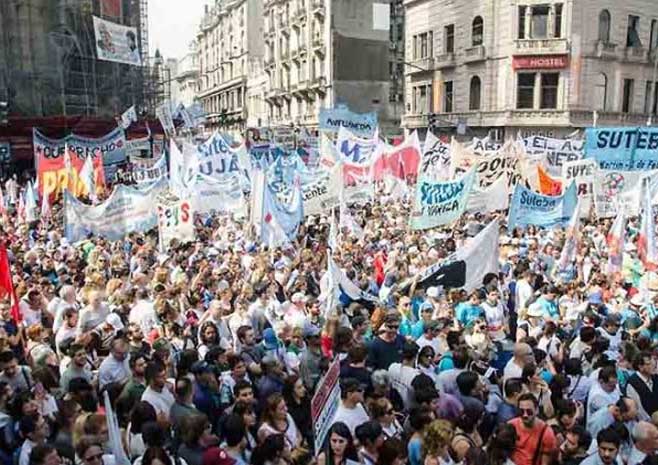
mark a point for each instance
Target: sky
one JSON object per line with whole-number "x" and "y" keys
{"x": 173, "y": 25}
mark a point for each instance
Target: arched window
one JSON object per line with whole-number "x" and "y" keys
{"x": 601, "y": 92}
{"x": 475, "y": 91}
{"x": 478, "y": 31}
{"x": 604, "y": 26}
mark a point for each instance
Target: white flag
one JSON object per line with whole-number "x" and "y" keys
{"x": 114, "y": 434}
{"x": 128, "y": 117}
{"x": 87, "y": 177}
{"x": 30, "y": 203}
{"x": 45, "y": 208}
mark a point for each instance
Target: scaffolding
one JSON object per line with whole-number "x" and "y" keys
{"x": 48, "y": 63}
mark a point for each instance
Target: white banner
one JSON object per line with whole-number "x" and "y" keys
{"x": 489, "y": 199}
{"x": 208, "y": 195}
{"x": 555, "y": 152}
{"x": 126, "y": 210}
{"x": 614, "y": 190}
{"x": 435, "y": 162}
{"x": 115, "y": 42}
{"x": 175, "y": 221}
{"x": 583, "y": 173}
{"x": 506, "y": 163}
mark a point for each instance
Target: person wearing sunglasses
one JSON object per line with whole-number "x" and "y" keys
{"x": 536, "y": 443}
{"x": 351, "y": 410}
{"x": 386, "y": 348}
{"x": 89, "y": 451}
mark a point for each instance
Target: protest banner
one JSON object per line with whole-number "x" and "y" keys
{"x": 331, "y": 120}
{"x": 138, "y": 148}
{"x": 175, "y": 221}
{"x": 647, "y": 249}
{"x": 116, "y": 42}
{"x": 165, "y": 115}
{"x": 627, "y": 149}
{"x": 503, "y": 163}
{"x": 555, "y": 151}
{"x": 614, "y": 190}
{"x": 126, "y": 210}
{"x": 110, "y": 150}
{"x": 548, "y": 185}
{"x": 354, "y": 149}
{"x": 530, "y": 208}
{"x": 440, "y": 203}
{"x": 464, "y": 268}
{"x": 5, "y": 152}
{"x": 484, "y": 146}
{"x": 582, "y": 172}
{"x": 324, "y": 404}
{"x": 435, "y": 162}
{"x": 143, "y": 172}
{"x": 400, "y": 161}
{"x": 488, "y": 199}
{"x": 215, "y": 158}
{"x": 208, "y": 195}
{"x": 128, "y": 117}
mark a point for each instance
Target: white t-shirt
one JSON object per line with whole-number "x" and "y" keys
{"x": 422, "y": 341}
{"x": 143, "y": 314}
{"x": 401, "y": 377}
{"x": 512, "y": 370}
{"x": 161, "y": 401}
{"x": 351, "y": 417}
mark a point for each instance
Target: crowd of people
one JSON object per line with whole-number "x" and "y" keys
{"x": 211, "y": 352}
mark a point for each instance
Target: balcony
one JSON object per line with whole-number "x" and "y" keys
{"x": 273, "y": 93}
{"x": 447, "y": 60}
{"x": 475, "y": 54}
{"x": 605, "y": 50}
{"x": 541, "y": 46}
{"x": 636, "y": 55}
{"x": 318, "y": 84}
{"x": 319, "y": 47}
{"x": 422, "y": 65}
{"x": 318, "y": 9}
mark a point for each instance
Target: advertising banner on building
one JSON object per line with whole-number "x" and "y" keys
{"x": 556, "y": 151}
{"x": 440, "y": 203}
{"x": 529, "y": 208}
{"x": 116, "y": 42}
{"x": 126, "y": 210}
{"x": 175, "y": 221}
{"x": 627, "y": 149}
{"x": 359, "y": 124}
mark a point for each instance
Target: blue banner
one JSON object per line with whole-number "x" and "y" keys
{"x": 530, "y": 208}
{"x": 627, "y": 149}
{"x": 439, "y": 203}
{"x": 360, "y": 124}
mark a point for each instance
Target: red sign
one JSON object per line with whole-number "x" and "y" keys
{"x": 111, "y": 9}
{"x": 540, "y": 62}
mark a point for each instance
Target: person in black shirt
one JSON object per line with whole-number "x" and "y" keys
{"x": 355, "y": 366}
{"x": 386, "y": 348}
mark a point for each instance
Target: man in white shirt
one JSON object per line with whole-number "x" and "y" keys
{"x": 524, "y": 290}
{"x": 143, "y": 313}
{"x": 351, "y": 411}
{"x": 604, "y": 392}
{"x": 115, "y": 368}
{"x": 157, "y": 394}
{"x": 429, "y": 337}
{"x": 402, "y": 374}
{"x": 93, "y": 314}
{"x": 522, "y": 355}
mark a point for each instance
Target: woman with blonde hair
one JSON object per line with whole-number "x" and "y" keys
{"x": 437, "y": 438}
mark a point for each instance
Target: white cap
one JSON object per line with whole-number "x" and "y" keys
{"x": 115, "y": 321}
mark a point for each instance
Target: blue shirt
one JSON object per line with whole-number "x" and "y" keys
{"x": 549, "y": 307}
{"x": 415, "y": 452}
{"x": 466, "y": 313}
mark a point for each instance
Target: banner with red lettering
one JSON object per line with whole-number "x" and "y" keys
{"x": 400, "y": 161}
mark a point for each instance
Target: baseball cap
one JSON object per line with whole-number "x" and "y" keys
{"x": 114, "y": 320}
{"x": 270, "y": 340}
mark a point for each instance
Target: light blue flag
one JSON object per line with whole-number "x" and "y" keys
{"x": 439, "y": 203}
{"x": 279, "y": 217}
{"x": 530, "y": 208}
{"x": 627, "y": 149}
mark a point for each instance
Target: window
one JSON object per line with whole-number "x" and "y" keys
{"x": 522, "y": 9}
{"x": 415, "y": 47}
{"x": 601, "y": 92}
{"x": 627, "y": 99}
{"x": 450, "y": 38}
{"x": 423, "y": 45}
{"x": 557, "y": 27}
{"x": 653, "y": 41}
{"x": 478, "y": 31}
{"x": 549, "y": 86}
{"x": 430, "y": 44}
{"x": 526, "y": 91}
{"x": 633, "y": 33}
{"x": 476, "y": 88}
{"x": 539, "y": 22}
{"x": 651, "y": 96}
{"x": 447, "y": 97}
{"x": 422, "y": 100}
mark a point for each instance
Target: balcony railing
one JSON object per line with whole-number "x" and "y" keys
{"x": 446, "y": 60}
{"x": 636, "y": 54}
{"x": 473, "y": 54}
{"x": 541, "y": 46}
{"x": 605, "y": 50}
{"x": 420, "y": 66}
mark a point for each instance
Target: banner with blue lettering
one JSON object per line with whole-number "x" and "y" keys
{"x": 530, "y": 208}
{"x": 112, "y": 146}
{"x": 354, "y": 149}
{"x": 216, "y": 158}
{"x": 360, "y": 124}
{"x": 628, "y": 149}
{"x": 440, "y": 203}
{"x": 126, "y": 210}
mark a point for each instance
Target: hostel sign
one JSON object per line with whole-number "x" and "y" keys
{"x": 540, "y": 62}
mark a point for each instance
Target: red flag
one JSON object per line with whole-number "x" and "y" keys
{"x": 7, "y": 285}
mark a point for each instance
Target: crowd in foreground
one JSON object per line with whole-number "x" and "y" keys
{"x": 210, "y": 353}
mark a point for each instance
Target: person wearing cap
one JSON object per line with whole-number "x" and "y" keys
{"x": 426, "y": 311}
{"x": 351, "y": 411}
{"x": 115, "y": 369}
{"x": 311, "y": 361}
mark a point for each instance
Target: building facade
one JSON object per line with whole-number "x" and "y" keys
{"x": 535, "y": 67}
{"x": 230, "y": 34}
{"x": 324, "y": 53}
{"x": 187, "y": 76}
